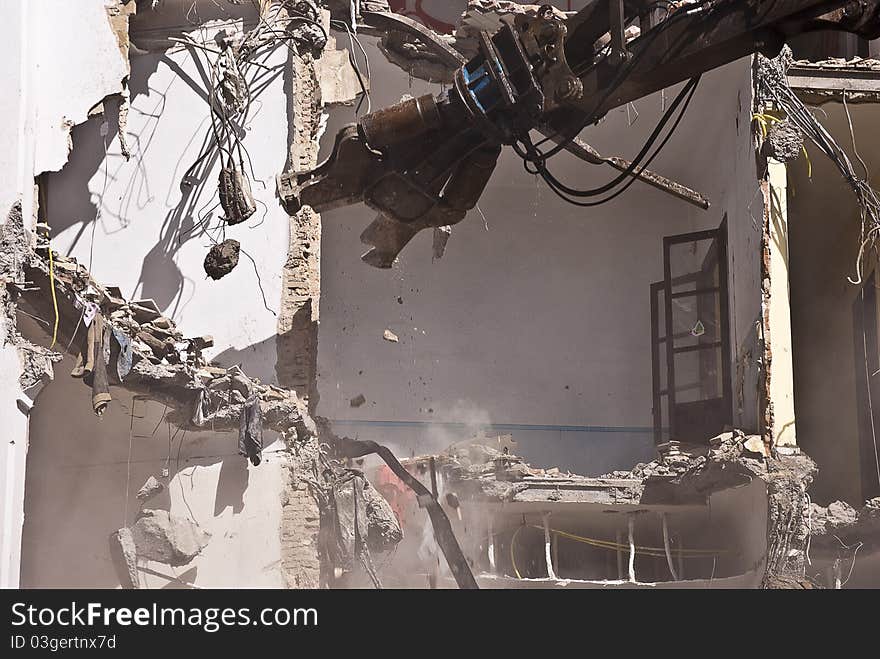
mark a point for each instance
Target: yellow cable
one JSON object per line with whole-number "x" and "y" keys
{"x": 643, "y": 549}
{"x": 512, "y": 558}
{"x": 657, "y": 552}
{"x": 54, "y": 298}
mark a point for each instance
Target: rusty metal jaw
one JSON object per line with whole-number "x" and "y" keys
{"x": 430, "y": 171}
{"x": 338, "y": 181}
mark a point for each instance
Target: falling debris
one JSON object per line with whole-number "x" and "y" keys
{"x": 755, "y": 444}
{"x": 222, "y": 259}
{"x": 388, "y": 335}
{"x": 358, "y": 400}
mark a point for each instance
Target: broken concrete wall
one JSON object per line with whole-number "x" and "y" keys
{"x": 145, "y": 224}
{"x": 135, "y": 224}
{"x": 14, "y": 403}
{"x": 141, "y": 228}
{"x": 538, "y": 316}
{"x": 53, "y": 77}
{"x": 72, "y": 73}
{"x": 744, "y": 233}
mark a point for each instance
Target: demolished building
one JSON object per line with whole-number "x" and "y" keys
{"x": 685, "y": 373}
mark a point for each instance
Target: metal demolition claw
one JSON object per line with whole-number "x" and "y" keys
{"x": 424, "y": 162}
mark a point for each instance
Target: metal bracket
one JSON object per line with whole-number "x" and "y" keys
{"x": 616, "y": 12}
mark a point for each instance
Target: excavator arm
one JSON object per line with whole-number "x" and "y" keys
{"x": 424, "y": 162}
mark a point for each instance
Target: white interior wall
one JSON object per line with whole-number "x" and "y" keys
{"x": 51, "y": 78}
{"x": 144, "y": 240}
{"x": 129, "y": 222}
{"x": 537, "y": 318}
{"x": 84, "y": 472}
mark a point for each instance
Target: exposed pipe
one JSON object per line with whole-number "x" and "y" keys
{"x": 547, "y": 556}
{"x": 619, "y": 543}
{"x": 630, "y": 523}
{"x": 492, "y": 566}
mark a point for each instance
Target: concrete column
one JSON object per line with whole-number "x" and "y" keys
{"x": 779, "y": 413}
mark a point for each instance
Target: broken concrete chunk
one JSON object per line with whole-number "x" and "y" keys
{"x": 383, "y": 528}
{"x": 720, "y": 439}
{"x": 160, "y": 536}
{"x": 220, "y": 383}
{"x": 150, "y": 488}
{"x": 201, "y": 342}
{"x": 144, "y": 311}
{"x": 388, "y": 335}
{"x": 784, "y": 142}
{"x": 222, "y": 259}
{"x": 242, "y": 384}
{"x": 124, "y": 555}
{"x": 755, "y": 444}
{"x": 377, "y": 524}
{"x": 113, "y": 297}
{"x": 842, "y": 513}
{"x": 357, "y": 401}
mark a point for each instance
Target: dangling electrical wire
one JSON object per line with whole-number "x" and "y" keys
{"x": 776, "y": 87}
{"x": 535, "y": 160}
{"x": 635, "y": 168}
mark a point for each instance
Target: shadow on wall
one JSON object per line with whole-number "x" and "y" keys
{"x": 97, "y": 160}
{"x": 81, "y": 484}
{"x": 72, "y": 202}
{"x": 294, "y": 367}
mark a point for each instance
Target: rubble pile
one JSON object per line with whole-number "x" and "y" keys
{"x": 146, "y": 351}
{"x": 840, "y": 524}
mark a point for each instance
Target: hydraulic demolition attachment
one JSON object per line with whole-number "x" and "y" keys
{"x": 424, "y": 162}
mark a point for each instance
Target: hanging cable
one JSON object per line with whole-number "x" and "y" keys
{"x": 776, "y": 87}
{"x": 564, "y": 192}
{"x": 538, "y": 161}
{"x": 624, "y": 71}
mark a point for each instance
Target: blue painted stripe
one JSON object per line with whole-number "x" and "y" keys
{"x": 493, "y": 426}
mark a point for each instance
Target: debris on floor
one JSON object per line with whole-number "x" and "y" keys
{"x": 388, "y": 335}
{"x": 841, "y": 524}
